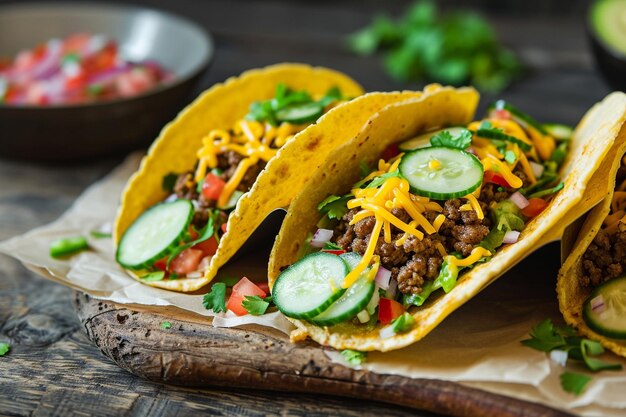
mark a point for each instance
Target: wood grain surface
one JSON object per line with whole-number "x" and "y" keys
{"x": 53, "y": 368}
{"x": 194, "y": 353}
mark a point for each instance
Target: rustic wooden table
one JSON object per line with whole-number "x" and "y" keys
{"x": 53, "y": 369}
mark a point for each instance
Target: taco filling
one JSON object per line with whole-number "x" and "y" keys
{"x": 604, "y": 265}
{"x": 432, "y": 208}
{"x": 177, "y": 238}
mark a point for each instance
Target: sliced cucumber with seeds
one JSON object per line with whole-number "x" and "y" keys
{"x": 605, "y": 309}
{"x": 441, "y": 173}
{"x": 310, "y": 286}
{"x": 423, "y": 140}
{"x": 498, "y": 135}
{"x": 353, "y": 301}
{"x": 300, "y": 113}
{"x": 154, "y": 234}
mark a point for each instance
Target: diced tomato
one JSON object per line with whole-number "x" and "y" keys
{"x": 187, "y": 261}
{"x": 391, "y": 151}
{"x": 208, "y": 247}
{"x": 76, "y": 44}
{"x": 212, "y": 187}
{"x": 534, "y": 207}
{"x": 389, "y": 310}
{"x": 247, "y": 287}
{"x": 242, "y": 289}
{"x": 501, "y": 114}
{"x": 495, "y": 178}
{"x": 102, "y": 60}
{"x": 76, "y": 82}
{"x": 334, "y": 251}
{"x": 224, "y": 227}
{"x": 234, "y": 304}
{"x": 161, "y": 264}
{"x": 264, "y": 286}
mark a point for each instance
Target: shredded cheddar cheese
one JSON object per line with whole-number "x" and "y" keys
{"x": 253, "y": 140}
{"x": 495, "y": 165}
{"x": 475, "y": 256}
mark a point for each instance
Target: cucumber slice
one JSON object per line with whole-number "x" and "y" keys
{"x": 353, "y": 301}
{"x": 559, "y": 132}
{"x": 304, "y": 289}
{"x": 300, "y": 113}
{"x": 518, "y": 115}
{"x": 495, "y": 134}
{"x": 460, "y": 172}
{"x": 154, "y": 234}
{"x": 423, "y": 140}
{"x": 609, "y": 321}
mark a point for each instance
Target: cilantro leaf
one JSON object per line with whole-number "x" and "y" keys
{"x": 216, "y": 298}
{"x": 332, "y": 246}
{"x": 169, "y": 181}
{"x": 354, "y": 357}
{"x": 544, "y": 337}
{"x": 461, "y": 140}
{"x": 333, "y": 94}
{"x": 573, "y": 382}
{"x": 153, "y": 276}
{"x": 334, "y": 206}
{"x": 4, "y": 348}
{"x": 378, "y": 181}
{"x": 166, "y": 325}
{"x": 255, "y": 305}
{"x": 403, "y": 324}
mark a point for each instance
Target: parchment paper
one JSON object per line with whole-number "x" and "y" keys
{"x": 479, "y": 345}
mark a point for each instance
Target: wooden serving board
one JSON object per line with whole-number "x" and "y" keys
{"x": 194, "y": 353}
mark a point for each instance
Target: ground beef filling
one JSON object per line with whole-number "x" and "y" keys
{"x": 605, "y": 258}
{"x": 415, "y": 260}
{"x": 186, "y": 186}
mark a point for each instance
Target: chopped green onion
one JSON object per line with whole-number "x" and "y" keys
{"x": 68, "y": 246}
{"x": 549, "y": 191}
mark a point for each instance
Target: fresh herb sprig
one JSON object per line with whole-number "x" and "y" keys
{"x": 215, "y": 299}
{"x": 546, "y": 337}
{"x": 453, "y": 48}
{"x": 285, "y": 99}
{"x": 256, "y": 305}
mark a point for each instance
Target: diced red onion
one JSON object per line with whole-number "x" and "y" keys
{"x": 392, "y": 290}
{"x": 559, "y": 356}
{"x": 171, "y": 197}
{"x": 519, "y": 200}
{"x": 537, "y": 169}
{"x": 204, "y": 263}
{"x": 363, "y": 316}
{"x": 382, "y": 277}
{"x": 387, "y": 332}
{"x": 320, "y": 237}
{"x": 511, "y": 236}
{"x": 107, "y": 75}
{"x": 597, "y": 304}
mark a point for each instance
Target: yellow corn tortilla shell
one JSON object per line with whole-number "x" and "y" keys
{"x": 570, "y": 293}
{"x": 219, "y": 108}
{"x": 400, "y": 121}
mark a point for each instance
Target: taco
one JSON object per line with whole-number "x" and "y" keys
{"x": 591, "y": 285}
{"x": 241, "y": 150}
{"x": 392, "y": 235}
